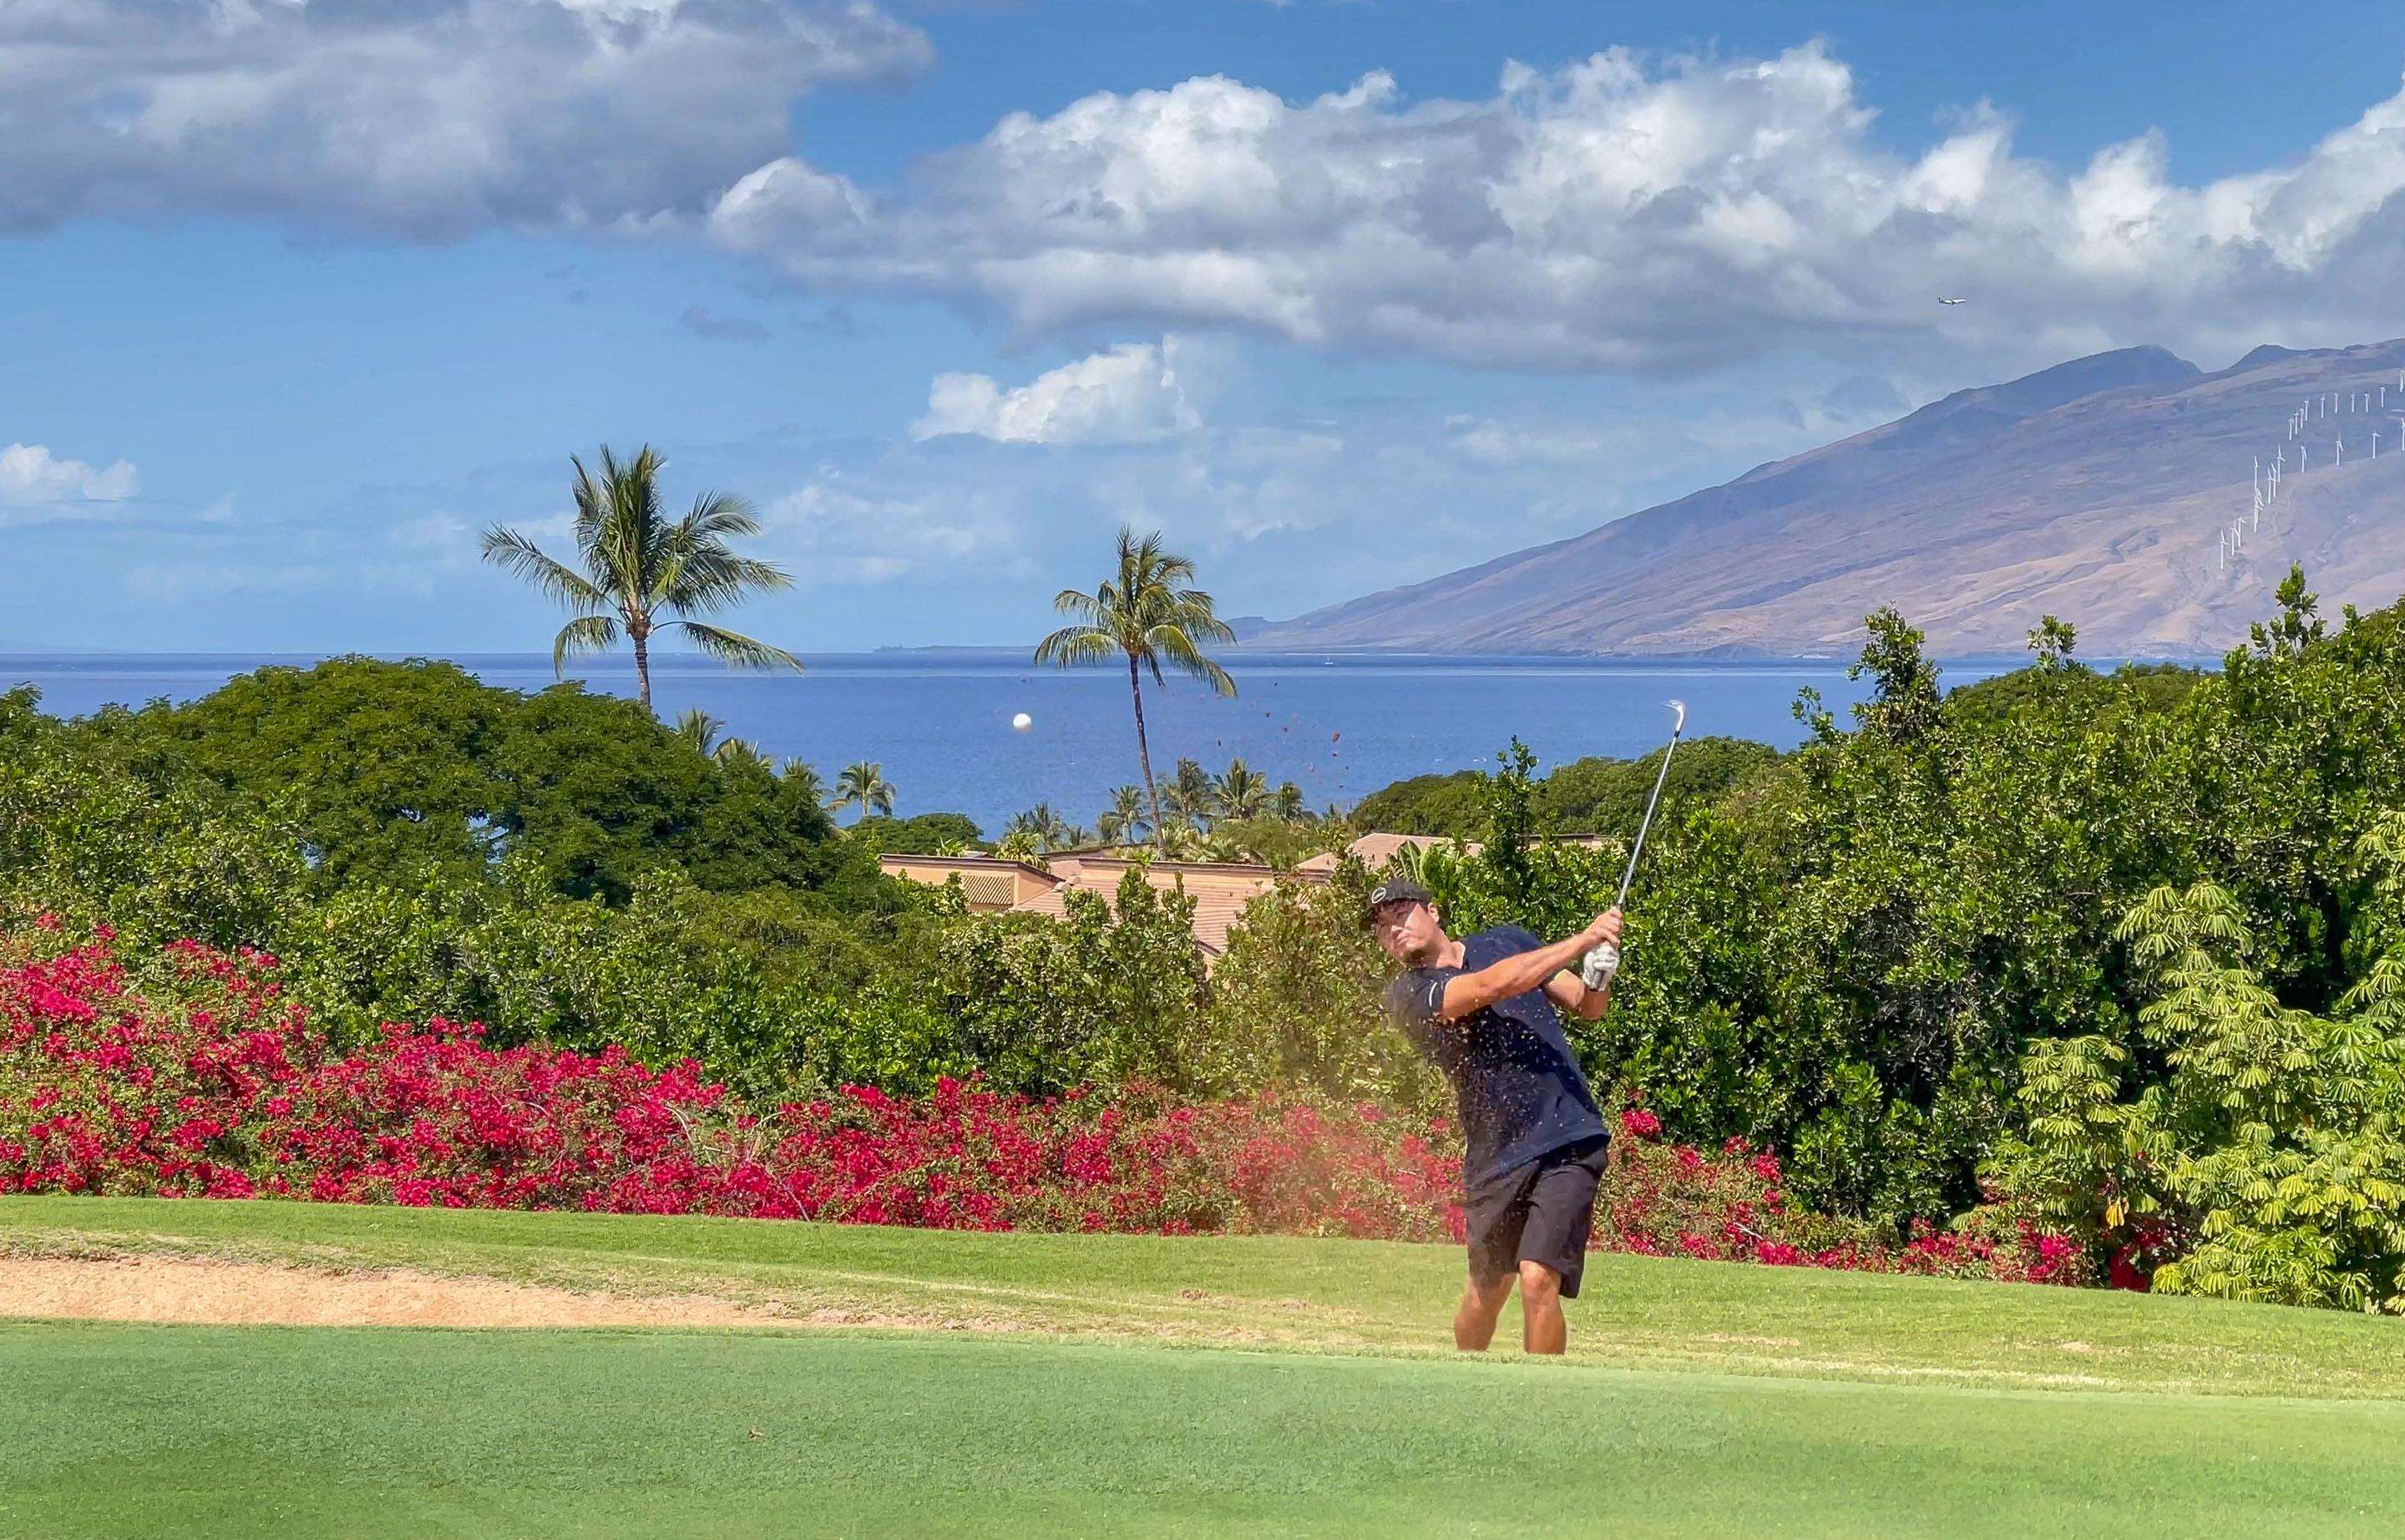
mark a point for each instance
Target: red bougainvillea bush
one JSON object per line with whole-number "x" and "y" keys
{"x": 198, "y": 1079}
{"x": 1666, "y": 1199}
{"x": 201, "y": 1081}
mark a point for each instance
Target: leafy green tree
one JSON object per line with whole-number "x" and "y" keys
{"x": 1902, "y": 707}
{"x": 2050, "y": 644}
{"x": 2268, "y": 1161}
{"x": 863, "y": 786}
{"x": 1109, "y": 994}
{"x": 923, "y": 834}
{"x": 1295, "y": 1001}
{"x": 1600, "y": 796}
{"x": 1146, "y": 612}
{"x": 1452, "y": 804}
{"x": 742, "y": 753}
{"x": 95, "y": 832}
{"x": 399, "y": 774}
{"x": 638, "y": 569}
{"x": 2152, "y": 686}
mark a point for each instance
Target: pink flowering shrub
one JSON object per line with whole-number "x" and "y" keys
{"x": 201, "y": 1079}
{"x": 1661, "y": 1199}
{"x": 195, "y": 1078}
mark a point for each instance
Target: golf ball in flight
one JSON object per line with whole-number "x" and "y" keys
{"x": 1022, "y": 722}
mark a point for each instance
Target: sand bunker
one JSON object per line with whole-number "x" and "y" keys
{"x": 236, "y": 1293}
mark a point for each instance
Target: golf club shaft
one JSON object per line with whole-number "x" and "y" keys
{"x": 1634, "y": 851}
{"x": 1602, "y": 964}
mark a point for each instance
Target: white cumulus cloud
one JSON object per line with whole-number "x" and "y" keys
{"x": 1620, "y": 211}
{"x": 1131, "y": 394}
{"x": 833, "y": 531}
{"x": 31, "y": 476}
{"x": 423, "y": 117}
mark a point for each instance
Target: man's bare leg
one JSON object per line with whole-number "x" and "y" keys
{"x": 1540, "y": 1309}
{"x": 1482, "y": 1303}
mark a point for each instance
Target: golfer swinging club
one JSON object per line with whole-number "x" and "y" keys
{"x": 1481, "y": 1009}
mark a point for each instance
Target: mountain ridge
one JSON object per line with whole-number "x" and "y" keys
{"x": 2094, "y": 489}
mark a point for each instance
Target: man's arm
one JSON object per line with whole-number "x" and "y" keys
{"x": 1568, "y": 990}
{"x": 1467, "y": 994}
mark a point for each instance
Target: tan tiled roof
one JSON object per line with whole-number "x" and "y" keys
{"x": 1220, "y": 891}
{"x": 962, "y": 864}
{"x": 1375, "y": 850}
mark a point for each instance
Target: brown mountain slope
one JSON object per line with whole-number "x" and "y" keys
{"x": 2093, "y": 490}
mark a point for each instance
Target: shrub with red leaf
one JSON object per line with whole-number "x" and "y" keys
{"x": 202, "y": 1080}
{"x": 1677, "y": 1200}
{"x": 198, "y": 1079}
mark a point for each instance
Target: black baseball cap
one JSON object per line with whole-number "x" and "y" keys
{"x": 1394, "y": 890}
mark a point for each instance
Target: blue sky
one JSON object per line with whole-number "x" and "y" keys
{"x": 297, "y": 296}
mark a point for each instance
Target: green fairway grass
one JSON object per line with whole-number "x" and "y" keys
{"x": 1284, "y": 1293}
{"x": 1090, "y": 1385}
{"x": 122, "y": 1431}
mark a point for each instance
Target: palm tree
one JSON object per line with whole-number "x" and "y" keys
{"x": 1243, "y": 792}
{"x": 1192, "y": 795}
{"x": 1287, "y": 803}
{"x": 1228, "y": 845}
{"x": 638, "y": 567}
{"x": 1145, "y": 613}
{"x": 804, "y": 778}
{"x": 1179, "y": 840}
{"x": 1045, "y": 827}
{"x": 1019, "y": 845}
{"x": 863, "y": 786}
{"x": 1122, "y": 822}
{"x": 741, "y": 754}
{"x": 700, "y": 728}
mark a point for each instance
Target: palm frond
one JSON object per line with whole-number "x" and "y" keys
{"x": 579, "y": 638}
{"x": 1074, "y": 644}
{"x": 1174, "y": 643}
{"x": 718, "y": 515}
{"x": 714, "y": 578}
{"x": 1194, "y": 612}
{"x": 700, "y": 728}
{"x": 520, "y": 556}
{"x": 736, "y": 649}
{"x": 1094, "y": 609}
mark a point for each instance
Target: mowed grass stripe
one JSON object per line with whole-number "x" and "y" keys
{"x": 1300, "y": 1294}
{"x": 126, "y": 1431}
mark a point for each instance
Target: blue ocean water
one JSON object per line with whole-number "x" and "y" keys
{"x": 940, "y": 723}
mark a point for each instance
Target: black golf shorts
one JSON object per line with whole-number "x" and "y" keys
{"x": 1542, "y": 1212}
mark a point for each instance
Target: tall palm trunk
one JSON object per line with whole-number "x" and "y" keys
{"x": 1143, "y": 754}
{"x": 642, "y": 664}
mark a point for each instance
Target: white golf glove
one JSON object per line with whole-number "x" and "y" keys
{"x": 1600, "y": 964}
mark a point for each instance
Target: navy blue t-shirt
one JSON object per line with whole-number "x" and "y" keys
{"x": 1521, "y": 1094}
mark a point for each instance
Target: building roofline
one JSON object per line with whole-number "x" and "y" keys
{"x": 1231, "y": 868}
{"x": 969, "y": 863}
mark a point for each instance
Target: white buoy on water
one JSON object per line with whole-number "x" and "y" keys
{"x": 1022, "y": 722}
